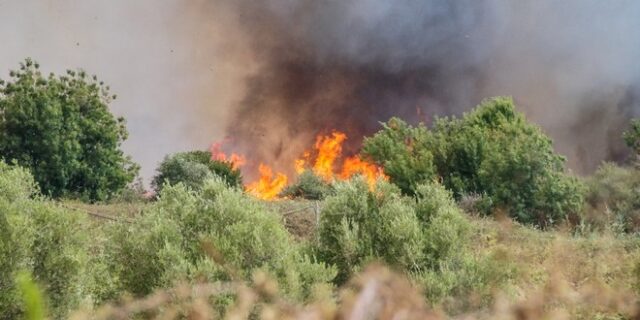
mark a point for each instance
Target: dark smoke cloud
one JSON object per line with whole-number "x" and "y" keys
{"x": 346, "y": 65}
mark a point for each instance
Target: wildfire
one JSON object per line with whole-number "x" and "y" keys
{"x": 268, "y": 186}
{"x": 329, "y": 148}
{"x": 354, "y": 165}
{"x": 321, "y": 160}
{"x": 236, "y": 160}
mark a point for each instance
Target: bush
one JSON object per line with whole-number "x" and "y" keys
{"x": 309, "y": 186}
{"x": 632, "y": 138}
{"x": 492, "y": 151}
{"x": 425, "y": 236}
{"x": 192, "y": 169}
{"x": 614, "y": 199}
{"x": 358, "y": 225}
{"x": 445, "y": 227}
{"x": 16, "y": 183}
{"x": 38, "y": 237}
{"x": 238, "y": 232}
{"x": 61, "y": 129}
{"x": 405, "y": 153}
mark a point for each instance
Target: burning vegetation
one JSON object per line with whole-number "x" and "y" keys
{"x": 325, "y": 159}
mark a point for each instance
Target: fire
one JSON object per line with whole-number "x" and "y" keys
{"x": 300, "y": 164}
{"x": 267, "y": 187}
{"x": 328, "y": 150}
{"x": 354, "y": 165}
{"x": 322, "y": 160}
{"x": 235, "y": 159}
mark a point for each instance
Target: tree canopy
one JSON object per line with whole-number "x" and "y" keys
{"x": 61, "y": 129}
{"x": 493, "y": 152}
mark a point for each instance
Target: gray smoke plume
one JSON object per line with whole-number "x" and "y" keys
{"x": 346, "y": 65}
{"x": 269, "y": 75}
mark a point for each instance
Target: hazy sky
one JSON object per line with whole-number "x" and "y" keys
{"x": 157, "y": 55}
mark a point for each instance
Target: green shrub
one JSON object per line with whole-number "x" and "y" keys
{"x": 15, "y": 239}
{"x": 192, "y": 169}
{"x": 309, "y": 186}
{"x": 632, "y": 138}
{"x": 492, "y": 151}
{"x": 39, "y": 237}
{"x": 242, "y": 236}
{"x": 404, "y": 152}
{"x": 445, "y": 227}
{"x": 426, "y": 236}
{"x": 358, "y": 225}
{"x": 16, "y": 183}
{"x": 31, "y": 297}
{"x": 614, "y": 199}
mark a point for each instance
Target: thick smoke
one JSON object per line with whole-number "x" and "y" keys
{"x": 346, "y": 65}
{"x": 271, "y": 74}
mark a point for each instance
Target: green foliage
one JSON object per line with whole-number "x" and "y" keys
{"x": 632, "y": 136}
{"x": 614, "y": 199}
{"x": 358, "y": 225}
{"x": 492, "y": 151}
{"x": 61, "y": 129}
{"x": 192, "y": 169}
{"x": 404, "y": 152}
{"x": 309, "y": 186}
{"x": 445, "y": 227}
{"x": 426, "y": 236}
{"x": 31, "y": 296}
{"x": 178, "y": 237}
{"x": 39, "y": 237}
{"x": 16, "y": 183}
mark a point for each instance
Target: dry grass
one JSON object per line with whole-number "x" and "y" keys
{"x": 561, "y": 275}
{"x": 376, "y": 293}
{"x": 121, "y": 210}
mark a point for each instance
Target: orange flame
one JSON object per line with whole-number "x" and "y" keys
{"x": 327, "y": 151}
{"x": 300, "y": 164}
{"x": 267, "y": 187}
{"x": 235, "y": 159}
{"x": 354, "y": 165}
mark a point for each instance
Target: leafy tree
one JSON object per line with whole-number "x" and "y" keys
{"x": 192, "y": 169}
{"x": 61, "y": 129}
{"x": 492, "y": 151}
